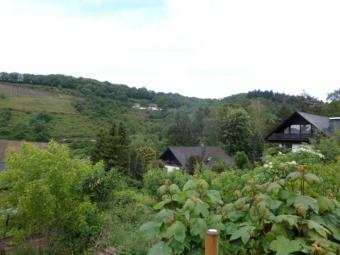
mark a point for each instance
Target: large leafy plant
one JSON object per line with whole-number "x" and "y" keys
{"x": 182, "y": 218}
{"x": 280, "y": 217}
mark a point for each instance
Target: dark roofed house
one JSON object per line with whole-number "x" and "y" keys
{"x": 178, "y": 156}
{"x": 300, "y": 127}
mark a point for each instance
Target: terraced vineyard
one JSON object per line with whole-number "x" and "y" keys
{"x": 17, "y": 97}
{"x": 20, "y": 90}
{"x": 25, "y": 103}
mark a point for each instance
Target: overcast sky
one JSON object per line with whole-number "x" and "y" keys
{"x": 202, "y": 48}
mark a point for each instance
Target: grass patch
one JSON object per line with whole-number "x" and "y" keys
{"x": 57, "y": 104}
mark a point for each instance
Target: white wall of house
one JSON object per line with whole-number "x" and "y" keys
{"x": 171, "y": 168}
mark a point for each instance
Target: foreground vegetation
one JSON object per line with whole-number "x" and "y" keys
{"x": 106, "y": 192}
{"x": 77, "y": 207}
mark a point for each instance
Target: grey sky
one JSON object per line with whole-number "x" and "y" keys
{"x": 203, "y": 48}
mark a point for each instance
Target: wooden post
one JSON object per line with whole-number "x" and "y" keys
{"x": 211, "y": 242}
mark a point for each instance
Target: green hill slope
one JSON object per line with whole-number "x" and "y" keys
{"x": 39, "y": 107}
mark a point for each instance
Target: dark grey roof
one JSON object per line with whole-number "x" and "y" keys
{"x": 2, "y": 166}
{"x": 326, "y": 125}
{"x": 320, "y": 122}
{"x": 209, "y": 153}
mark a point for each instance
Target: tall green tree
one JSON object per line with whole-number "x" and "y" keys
{"x": 112, "y": 147}
{"x": 198, "y": 123}
{"x": 212, "y": 125}
{"x": 181, "y": 132}
{"x": 236, "y": 131}
{"x": 334, "y": 96}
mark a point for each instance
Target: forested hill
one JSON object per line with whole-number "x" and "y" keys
{"x": 106, "y": 90}
{"x": 40, "y": 107}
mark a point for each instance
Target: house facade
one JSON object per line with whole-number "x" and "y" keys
{"x": 300, "y": 127}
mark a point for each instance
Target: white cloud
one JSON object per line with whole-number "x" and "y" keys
{"x": 205, "y": 48}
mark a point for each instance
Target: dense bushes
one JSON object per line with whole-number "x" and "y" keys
{"x": 275, "y": 217}
{"x": 45, "y": 189}
{"x": 82, "y": 208}
{"x": 154, "y": 178}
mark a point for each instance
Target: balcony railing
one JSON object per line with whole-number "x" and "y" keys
{"x": 289, "y": 137}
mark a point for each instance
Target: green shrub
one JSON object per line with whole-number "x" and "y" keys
{"x": 130, "y": 208}
{"x": 227, "y": 183}
{"x": 182, "y": 218}
{"x": 207, "y": 175}
{"x": 329, "y": 147}
{"x": 153, "y": 179}
{"x": 330, "y": 176}
{"x": 178, "y": 177}
{"x": 279, "y": 217}
{"x": 220, "y": 166}
{"x": 25, "y": 250}
{"x": 99, "y": 184}
{"x": 241, "y": 159}
{"x": 45, "y": 189}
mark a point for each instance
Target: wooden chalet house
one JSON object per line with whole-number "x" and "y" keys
{"x": 176, "y": 157}
{"x": 300, "y": 127}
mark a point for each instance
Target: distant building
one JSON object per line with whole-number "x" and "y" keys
{"x": 153, "y": 107}
{"x": 176, "y": 157}
{"x": 300, "y": 127}
{"x": 136, "y": 106}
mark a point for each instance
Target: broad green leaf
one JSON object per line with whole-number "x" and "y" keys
{"x": 330, "y": 222}
{"x": 174, "y": 189}
{"x": 318, "y": 228}
{"x": 201, "y": 208}
{"x": 180, "y": 197}
{"x": 325, "y": 204}
{"x": 177, "y": 231}
{"x": 236, "y": 215}
{"x": 244, "y": 233}
{"x": 160, "y": 248}
{"x": 161, "y": 204}
{"x": 308, "y": 202}
{"x": 292, "y": 220}
{"x": 312, "y": 178}
{"x": 293, "y": 176}
{"x": 149, "y": 230}
{"x": 274, "y": 188}
{"x": 198, "y": 227}
{"x": 285, "y": 194}
{"x": 214, "y": 197}
{"x": 230, "y": 228}
{"x": 164, "y": 215}
{"x": 196, "y": 252}
{"x": 284, "y": 246}
{"x": 162, "y": 189}
{"x": 274, "y": 204}
{"x": 190, "y": 185}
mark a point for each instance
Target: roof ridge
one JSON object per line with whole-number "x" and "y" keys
{"x": 313, "y": 114}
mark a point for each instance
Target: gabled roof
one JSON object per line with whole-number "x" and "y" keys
{"x": 183, "y": 153}
{"x": 322, "y": 123}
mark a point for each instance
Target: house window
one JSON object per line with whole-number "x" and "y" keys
{"x": 295, "y": 129}
{"x": 306, "y": 129}
{"x": 286, "y": 130}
